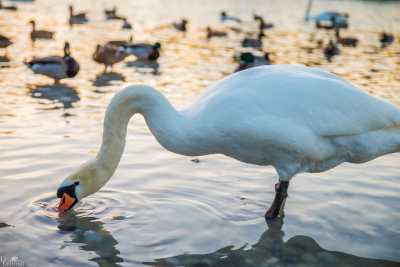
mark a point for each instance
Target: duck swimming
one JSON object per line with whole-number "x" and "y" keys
{"x": 79, "y": 18}
{"x": 345, "y": 41}
{"x": 262, "y": 24}
{"x": 55, "y": 67}
{"x": 9, "y": 8}
{"x": 331, "y": 50}
{"x": 39, "y": 34}
{"x": 225, "y": 17}
{"x": 386, "y": 39}
{"x": 248, "y": 60}
{"x": 294, "y": 118}
{"x": 126, "y": 25}
{"x": 254, "y": 42}
{"x": 181, "y": 26}
{"x": 111, "y": 14}
{"x": 215, "y": 33}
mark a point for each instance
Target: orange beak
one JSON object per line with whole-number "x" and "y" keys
{"x": 66, "y": 203}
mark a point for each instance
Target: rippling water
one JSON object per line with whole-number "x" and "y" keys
{"x": 162, "y": 209}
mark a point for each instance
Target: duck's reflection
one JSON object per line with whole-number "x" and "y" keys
{"x": 270, "y": 249}
{"x": 90, "y": 233}
{"x": 105, "y": 78}
{"x": 144, "y": 65}
{"x": 4, "y": 61}
{"x": 59, "y": 93}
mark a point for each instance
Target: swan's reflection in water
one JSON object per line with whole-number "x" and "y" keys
{"x": 89, "y": 232}
{"x": 59, "y": 93}
{"x": 106, "y": 78}
{"x": 270, "y": 249}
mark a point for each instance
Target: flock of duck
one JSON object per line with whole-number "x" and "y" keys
{"x": 113, "y": 52}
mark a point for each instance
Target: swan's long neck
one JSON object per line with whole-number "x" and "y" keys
{"x": 114, "y": 133}
{"x": 167, "y": 125}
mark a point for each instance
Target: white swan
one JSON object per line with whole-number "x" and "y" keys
{"x": 295, "y": 118}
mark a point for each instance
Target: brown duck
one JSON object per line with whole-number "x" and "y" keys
{"x": 109, "y": 55}
{"x": 39, "y": 34}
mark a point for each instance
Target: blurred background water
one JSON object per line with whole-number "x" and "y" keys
{"x": 162, "y": 209}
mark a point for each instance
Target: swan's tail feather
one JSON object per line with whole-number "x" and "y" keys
{"x": 371, "y": 145}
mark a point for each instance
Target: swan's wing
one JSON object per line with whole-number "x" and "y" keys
{"x": 307, "y": 97}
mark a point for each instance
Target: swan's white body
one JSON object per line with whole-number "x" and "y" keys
{"x": 295, "y": 118}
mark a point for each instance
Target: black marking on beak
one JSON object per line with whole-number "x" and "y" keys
{"x": 69, "y": 189}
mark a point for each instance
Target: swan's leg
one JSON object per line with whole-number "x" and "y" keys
{"x": 278, "y": 205}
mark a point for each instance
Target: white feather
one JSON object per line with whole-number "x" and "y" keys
{"x": 295, "y": 118}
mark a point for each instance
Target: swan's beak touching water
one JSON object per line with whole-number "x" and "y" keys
{"x": 88, "y": 179}
{"x": 68, "y": 198}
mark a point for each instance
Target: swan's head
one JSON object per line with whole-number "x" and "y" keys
{"x": 85, "y": 181}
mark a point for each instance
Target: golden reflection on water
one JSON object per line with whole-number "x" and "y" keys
{"x": 202, "y": 62}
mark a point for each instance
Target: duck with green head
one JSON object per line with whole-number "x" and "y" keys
{"x": 55, "y": 67}
{"x": 249, "y": 60}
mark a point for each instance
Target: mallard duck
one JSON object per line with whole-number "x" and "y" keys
{"x": 290, "y": 117}
{"x": 262, "y": 24}
{"x": 5, "y": 42}
{"x": 249, "y": 60}
{"x": 79, "y": 18}
{"x": 386, "y": 39}
{"x": 55, "y": 67}
{"x": 9, "y": 8}
{"x": 144, "y": 51}
{"x": 345, "y": 41}
{"x": 111, "y": 14}
{"x": 181, "y": 26}
{"x": 225, "y": 17}
{"x": 215, "y": 33}
{"x": 109, "y": 55}
{"x": 331, "y": 50}
{"x": 126, "y": 25}
{"x": 252, "y": 42}
{"x": 40, "y": 34}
